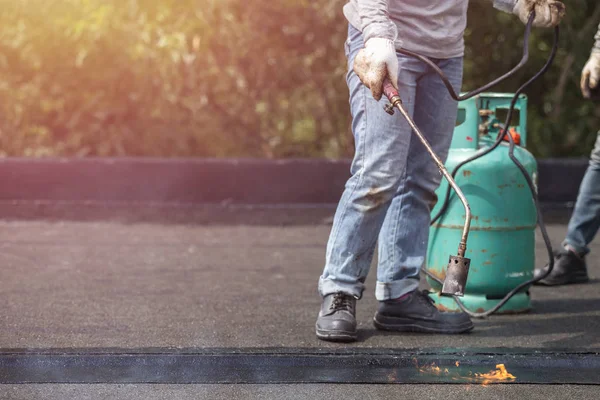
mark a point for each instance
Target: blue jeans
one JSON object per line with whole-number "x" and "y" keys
{"x": 391, "y": 192}
{"x": 585, "y": 220}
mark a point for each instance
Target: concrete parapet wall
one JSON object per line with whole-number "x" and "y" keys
{"x": 209, "y": 181}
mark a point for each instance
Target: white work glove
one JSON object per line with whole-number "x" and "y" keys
{"x": 374, "y": 63}
{"x": 548, "y": 13}
{"x": 590, "y": 76}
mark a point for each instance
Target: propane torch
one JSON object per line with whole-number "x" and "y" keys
{"x": 458, "y": 266}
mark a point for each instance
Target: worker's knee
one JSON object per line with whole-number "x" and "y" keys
{"x": 376, "y": 191}
{"x": 424, "y": 189}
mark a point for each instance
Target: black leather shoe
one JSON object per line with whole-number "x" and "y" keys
{"x": 337, "y": 318}
{"x": 568, "y": 268}
{"x": 417, "y": 313}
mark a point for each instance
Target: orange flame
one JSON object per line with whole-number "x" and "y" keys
{"x": 500, "y": 374}
{"x": 433, "y": 369}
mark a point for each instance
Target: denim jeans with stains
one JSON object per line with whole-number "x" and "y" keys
{"x": 585, "y": 221}
{"x": 391, "y": 192}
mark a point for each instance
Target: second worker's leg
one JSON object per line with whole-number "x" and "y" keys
{"x": 569, "y": 262}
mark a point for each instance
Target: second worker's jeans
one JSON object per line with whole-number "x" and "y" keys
{"x": 585, "y": 221}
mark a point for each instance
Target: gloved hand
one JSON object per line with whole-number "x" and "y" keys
{"x": 548, "y": 13}
{"x": 590, "y": 76}
{"x": 375, "y": 62}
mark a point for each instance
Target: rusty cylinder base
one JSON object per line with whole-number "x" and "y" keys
{"x": 456, "y": 276}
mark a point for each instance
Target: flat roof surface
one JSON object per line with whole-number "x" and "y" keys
{"x": 149, "y": 277}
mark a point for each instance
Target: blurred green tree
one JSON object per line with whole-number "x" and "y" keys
{"x": 561, "y": 123}
{"x": 228, "y": 78}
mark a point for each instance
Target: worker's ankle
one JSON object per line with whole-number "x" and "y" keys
{"x": 401, "y": 298}
{"x": 574, "y": 251}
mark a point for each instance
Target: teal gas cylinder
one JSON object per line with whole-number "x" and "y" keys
{"x": 502, "y": 237}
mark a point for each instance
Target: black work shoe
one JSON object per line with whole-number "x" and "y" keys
{"x": 337, "y": 318}
{"x": 568, "y": 268}
{"x": 417, "y": 313}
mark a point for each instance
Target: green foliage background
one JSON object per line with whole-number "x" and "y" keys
{"x": 223, "y": 78}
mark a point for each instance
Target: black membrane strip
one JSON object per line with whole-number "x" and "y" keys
{"x": 289, "y": 365}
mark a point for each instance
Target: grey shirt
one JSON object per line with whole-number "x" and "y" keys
{"x": 597, "y": 44}
{"x": 433, "y": 28}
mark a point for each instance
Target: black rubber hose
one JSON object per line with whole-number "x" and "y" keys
{"x": 487, "y": 86}
{"x": 488, "y": 150}
{"x": 529, "y": 182}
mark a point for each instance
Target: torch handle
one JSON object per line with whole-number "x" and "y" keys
{"x": 389, "y": 90}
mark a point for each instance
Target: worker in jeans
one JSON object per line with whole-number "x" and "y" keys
{"x": 389, "y": 197}
{"x": 569, "y": 261}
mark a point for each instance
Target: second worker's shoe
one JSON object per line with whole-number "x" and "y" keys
{"x": 337, "y": 318}
{"x": 416, "y": 312}
{"x": 568, "y": 268}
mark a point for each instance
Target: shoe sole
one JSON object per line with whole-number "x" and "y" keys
{"x": 559, "y": 282}
{"x": 409, "y": 325}
{"x": 336, "y": 336}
